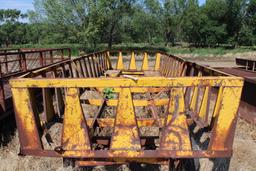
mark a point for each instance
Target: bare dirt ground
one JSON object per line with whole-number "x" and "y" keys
{"x": 244, "y": 144}
{"x": 243, "y": 158}
{"x": 245, "y": 138}
{"x": 227, "y": 60}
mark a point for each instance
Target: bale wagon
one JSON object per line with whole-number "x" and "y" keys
{"x": 123, "y": 107}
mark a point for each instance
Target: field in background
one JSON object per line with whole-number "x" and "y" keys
{"x": 181, "y": 50}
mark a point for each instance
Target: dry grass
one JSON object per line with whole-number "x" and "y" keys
{"x": 243, "y": 158}
{"x": 10, "y": 161}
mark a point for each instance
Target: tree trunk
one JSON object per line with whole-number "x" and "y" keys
{"x": 110, "y": 40}
{"x": 6, "y": 44}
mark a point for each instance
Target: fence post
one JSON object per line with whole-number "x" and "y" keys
{"x": 41, "y": 58}
{"x": 51, "y": 56}
{"x": 20, "y": 61}
{"x": 44, "y": 57}
{"x": 6, "y": 63}
{"x": 23, "y": 62}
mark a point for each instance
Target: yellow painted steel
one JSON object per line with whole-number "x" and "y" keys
{"x": 120, "y": 64}
{"x": 108, "y": 60}
{"x": 158, "y": 59}
{"x": 110, "y": 122}
{"x": 132, "y": 65}
{"x": 177, "y": 102}
{"x": 218, "y": 102}
{"x": 224, "y": 122}
{"x": 145, "y": 62}
{"x": 195, "y": 94}
{"x": 75, "y": 133}
{"x": 205, "y": 104}
{"x": 175, "y": 136}
{"x": 126, "y": 138}
{"x": 124, "y": 82}
{"x": 126, "y": 133}
{"x": 28, "y": 132}
{"x": 194, "y": 99}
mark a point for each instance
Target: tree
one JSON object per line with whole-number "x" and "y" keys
{"x": 247, "y": 34}
{"x": 171, "y": 21}
{"x": 114, "y": 11}
{"x": 234, "y": 17}
{"x": 91, "y": 22}
{"x": 11, "y": 30}
{"x": 193, "y": 23}
{"x": 214, "y": 30}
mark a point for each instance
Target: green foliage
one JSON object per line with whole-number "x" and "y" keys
{"x": 11, "y": 30}
{"x": 108, "y": 93}
{"x": 93, "y": 23}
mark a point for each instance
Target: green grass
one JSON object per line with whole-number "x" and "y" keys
{"x": 144, "y": 46}
{"x": 208, "y": 51}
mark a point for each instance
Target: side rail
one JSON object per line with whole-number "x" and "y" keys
{"x": 9, "y": 50}
{"x": 141, "y": 62}
{"x": 22, "y": 61}
{"x": 150, "y": 118}
{"x": 135, "y": 60}
{"x": 247, "y": 64}
{"x": 157, "y": 63}
{"x": 14, "y": 64}
{"x": 88, "y": 66}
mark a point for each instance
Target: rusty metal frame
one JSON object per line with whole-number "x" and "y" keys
{"x": 245, "y": 69}
{"x": 183, "y": 79}
{"x": 247, "y": 64}
{"x": 23, "y": 56}
{"x": 79, "y": 145}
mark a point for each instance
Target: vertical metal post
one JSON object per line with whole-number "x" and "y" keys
{"x": 20, "y": 63}
{"x": 6, "y": 62}
{"x": 23, "y": 62}
{"x": 41, "y": 59}
{"x": 44, "y": 57}
{"x": 51, "y": 56}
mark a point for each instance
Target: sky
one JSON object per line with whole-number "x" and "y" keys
{"x": 22, "y": 5}
{"x": 25, "y": 5}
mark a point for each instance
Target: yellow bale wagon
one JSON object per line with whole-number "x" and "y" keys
{"x": 115, "y": 107}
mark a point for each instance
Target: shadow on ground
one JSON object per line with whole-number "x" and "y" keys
{"x": 7, "y": 129}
